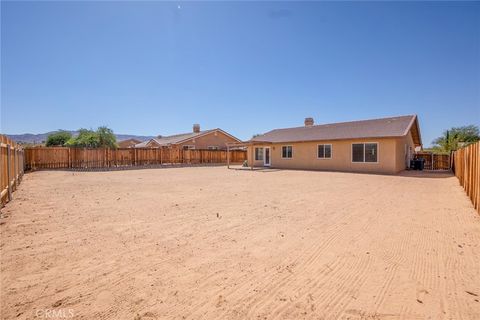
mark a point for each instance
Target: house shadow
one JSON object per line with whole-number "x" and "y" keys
{"x": 256, "y": 169}
{"x": 428, "y": 174}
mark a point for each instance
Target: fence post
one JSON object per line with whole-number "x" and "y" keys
{"x": 228, "y": 157}
{"x": 8, "y": 174}
{"x": 15, "y": 168}
{"x": 23, "y": 162}
{"x": 1, "y": 168}
{"x": 107, "y": 152}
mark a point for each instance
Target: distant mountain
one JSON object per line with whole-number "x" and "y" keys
{"x": 39, "y": 138}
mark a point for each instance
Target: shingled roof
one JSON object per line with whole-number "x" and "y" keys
{"x": 178, "y": 138}
{"x": 174, "y": 139}
{"x": 375, "y": 128}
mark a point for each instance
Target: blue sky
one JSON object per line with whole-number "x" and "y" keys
{"x": 247, "y": 67}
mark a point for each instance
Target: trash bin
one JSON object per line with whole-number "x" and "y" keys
{"x": 412, "y": 164}
{"x": 417, "y": 164}
{"x": 421, "y": 164}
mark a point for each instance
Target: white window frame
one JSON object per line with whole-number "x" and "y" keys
{"x": 189, "y": 147}
{"x": 364, "y": 143}
{"x": 286, "y": 146}
{"x": 255, "y": 154}
{"x": 269, "y": 156}
{"x": 213, "y": 148}
{"x": 331, "y": 151}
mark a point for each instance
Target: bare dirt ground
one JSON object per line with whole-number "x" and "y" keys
{"x": 212, "y": 243}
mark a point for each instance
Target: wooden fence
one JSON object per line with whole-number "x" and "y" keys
{"x": 466, "y": 166}
{"x": 11, "y": 168}
{"x": 83, "y": 158}
{"x": 434, "y": 161}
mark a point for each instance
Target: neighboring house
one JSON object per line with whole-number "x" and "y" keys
{"x": 214, "y": 139}
{"x": 380, "y": 145}
{"x": 129, "y": 143}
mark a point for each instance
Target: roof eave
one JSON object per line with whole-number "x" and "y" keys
{"x": 415, "y": 122}
{"x": 332, "y": 139}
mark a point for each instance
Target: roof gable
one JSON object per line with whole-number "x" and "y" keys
{"x": 179, "y": 138}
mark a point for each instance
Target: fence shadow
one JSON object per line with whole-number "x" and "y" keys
{"x": 138, "y": 167}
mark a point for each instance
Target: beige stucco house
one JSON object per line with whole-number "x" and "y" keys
{"x": 213, "y": 139}
{"x": 378, "y": 146}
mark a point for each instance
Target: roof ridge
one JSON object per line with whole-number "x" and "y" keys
{"x": 344, "y": 122}
{"x": 180, "y": 135}
{"x": 175, "y": 135}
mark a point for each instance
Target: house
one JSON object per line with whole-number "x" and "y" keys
{"x": 213, "y": 139}
{"x": 380, "y": 146}
{"x": 129, "y": 143}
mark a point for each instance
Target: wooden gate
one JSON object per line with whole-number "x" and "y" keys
{"x": 437, "y": 162}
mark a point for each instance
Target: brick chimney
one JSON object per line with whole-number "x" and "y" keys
{"x": 308, "y": 122}
{"x": 196, "y": 128}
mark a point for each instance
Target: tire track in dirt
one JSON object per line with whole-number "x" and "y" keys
{"x": 247, "y": 283}
{"x": 340, "y": 285}
{"x": 149, "y": 258}
{"x": 305, "y": 265}
{"x": 352, "y": 278}
{"x": 273, "y": 270}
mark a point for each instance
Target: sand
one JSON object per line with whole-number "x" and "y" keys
{"x": 212, "y": 243}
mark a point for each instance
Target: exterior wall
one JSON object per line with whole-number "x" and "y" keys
{"x": 251, "y": 155}
{"x": 216, "y": 138}
{"x": 305, "y": 156}
{"x": 403, "y": 144}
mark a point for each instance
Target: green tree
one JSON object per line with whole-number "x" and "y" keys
{"x": 58, "y": 138}
{"x": 456, "y": 137}
{"x": 86, "y": 139}
{"x": 103, "y": 137}
{"x": 106, "y": 137}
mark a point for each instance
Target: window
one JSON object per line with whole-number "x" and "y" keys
{"x": 371, "y": 152}
{"x": 358, "y": 152}
{"x": 188, "y": 147}
{"x": 324, "y": 151}
{"x": 365, "y": 152}
{"x": 212, "y": 147}
{"x": 287, "y": 152}
{"x": 258, "y": 154}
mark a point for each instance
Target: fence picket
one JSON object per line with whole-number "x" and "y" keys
{"x": 466, "y": 166}
{"x": 62, "y": 157}
{"x": 11, "y": 168}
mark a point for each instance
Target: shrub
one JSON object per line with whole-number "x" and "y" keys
{"x": 59, "y": 138}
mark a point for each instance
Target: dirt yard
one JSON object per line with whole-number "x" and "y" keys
{"x": 212, "y": 243}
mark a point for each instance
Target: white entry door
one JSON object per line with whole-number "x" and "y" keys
{"x": 266, "y": 156}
